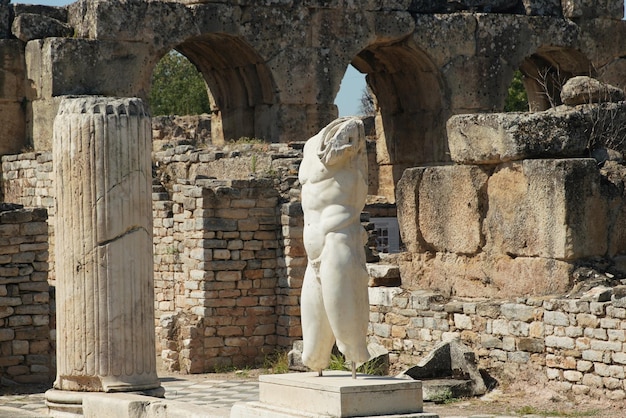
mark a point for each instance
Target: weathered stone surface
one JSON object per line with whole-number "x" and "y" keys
{"x": 446, "y": 6}
{"x": 587, "y": 9}
{"x": 408, "y": 210}
{"x": 57, "y": 13}
{"x": 450, "y": 207}
{"x": 54, "y": 70}
{"x": 450, "y": 359}
{"x": 486, "y": 276}
{"x": 542, "y": 7}
{"x": 499, "y": 137}
{"x": 29, "y": 26}
{"x": 383, "y": 275}
{"x": 583, "y": 90}
{"x": 13, "y": 122}
{"x": 446, "y": 215}
{"x": 12, "y": 85}
{"x": 5, "y": 20}
{"x": 546, "y": 208}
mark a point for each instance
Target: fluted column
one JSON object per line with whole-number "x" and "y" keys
{"x": 103, "y": 241}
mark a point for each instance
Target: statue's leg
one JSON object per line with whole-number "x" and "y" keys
{"x": 344, "y": 287}
{"x": 317, "y": 335}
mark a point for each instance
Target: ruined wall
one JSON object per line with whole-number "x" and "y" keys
{"x": 530, "y": 196}
{"x": 27, "y": 180}
{"x": 27, "y": 314}
{"x": 576, "y": 344}
{"x": 216, "y": 262}
{"x": 424, "y": 61}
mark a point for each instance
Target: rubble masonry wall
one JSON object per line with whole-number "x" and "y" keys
{"x": 577, "y": 345}
{"x": 27, "y": 315}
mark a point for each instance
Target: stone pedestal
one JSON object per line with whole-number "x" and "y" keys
{"x": 335, "y": 394}
{"x": 103, "y": 240}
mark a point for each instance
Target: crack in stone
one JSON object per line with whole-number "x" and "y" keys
{"x": 129, "y": 231}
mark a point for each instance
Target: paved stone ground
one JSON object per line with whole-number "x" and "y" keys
{"x": 222, "y": 393}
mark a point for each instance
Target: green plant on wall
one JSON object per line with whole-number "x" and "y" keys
{"x": 516, "y": 100}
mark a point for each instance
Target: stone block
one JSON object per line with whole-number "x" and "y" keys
{"x": 13, "y": 122}
{"x": 492, "y": 138}
{"x": 383, "y": 275}
{"x": 583, "y": 90}
{"x": 546, "y": 208}
{"x": 518, "y": 312}
{"x": 449, "y": 206}
{"x": 556, "y": 318}
{"x": 29, "y": 26}
{"x": 43, "y": 113}
{"x": 589, "y": 9}
{"x": 335, "y": 394}
{"x": 560, "y": 342}
{"x": 532, "y": 345}
{"x": 542, "y": 7}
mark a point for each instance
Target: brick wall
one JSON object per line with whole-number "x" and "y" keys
{"x": 292, "y": 274}
{"x": 26, "y": 317}
{"x": 27, "y": 180}
{"x": 216, "y": 272}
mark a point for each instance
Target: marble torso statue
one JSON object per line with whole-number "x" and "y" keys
{"x": 334, "y": 301}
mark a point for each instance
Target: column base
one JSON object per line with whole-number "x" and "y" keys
{"x": 69, "y": 404}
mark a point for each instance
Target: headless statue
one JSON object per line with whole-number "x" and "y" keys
{"x": 334, "y": 301}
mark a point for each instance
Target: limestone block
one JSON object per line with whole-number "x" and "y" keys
{"x": 499, "y": 137}
{"x": 449, "y": 208}
{"x": 13, "y": 127}
{"x": 483, "y": 276}
{"x": 140, "y": 21}
{"x": 589, "y": 9}
{"x": 542, "y": 7}
{"x": 546, "y": 208}
{"x": 583, "y": 89}
{"x": 5, "y": 20}
{"x": 450, "y": 359}
{"x": 392, "y": 25}
{"x": 407, "y": 201}
{"x": 493, "y": 35}
{"x": 12, "y": 70}
{"x": 445, "y": 35}
{"x": 475, "y": 83}
{"x": 60, "y": 66}
{"x": 29, "y": 26}
{"x": 383, "y": 275}
{"x": 57, "y": 13}
{"x": 42, "y": 121}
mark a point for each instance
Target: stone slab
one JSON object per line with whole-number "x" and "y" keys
{"x": 492, "y": 138}
{"x": 337, "y": 394}
{"x": 261, "y": 410}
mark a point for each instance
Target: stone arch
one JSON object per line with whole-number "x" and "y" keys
{"x": 547, "y": 70}
{"x": 241, "y": 88}
{"x": 410, "y": 121}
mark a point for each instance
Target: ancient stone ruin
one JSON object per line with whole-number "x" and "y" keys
{"x": 511, "y": 223}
